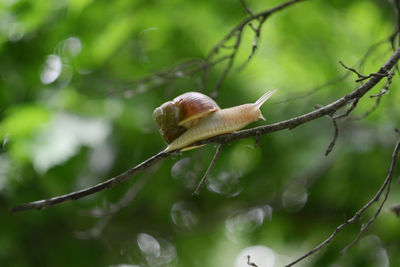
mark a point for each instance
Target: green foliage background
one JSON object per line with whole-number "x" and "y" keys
{"x": 85, "y": 124}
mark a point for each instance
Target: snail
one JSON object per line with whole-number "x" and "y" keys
{"x": 193, "y": 116}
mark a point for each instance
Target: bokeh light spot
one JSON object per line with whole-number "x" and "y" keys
{"x": 182, "y": 215}
{"x": 51, "y": 70}
{"x": 262, "y": 256}
{"x": 225, "y": 183}
{"x": 156, "y": 252}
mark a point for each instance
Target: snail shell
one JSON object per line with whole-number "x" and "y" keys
{"x": 174, "y": 117}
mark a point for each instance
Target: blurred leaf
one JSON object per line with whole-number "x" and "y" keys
{"x": 23, "y": 121}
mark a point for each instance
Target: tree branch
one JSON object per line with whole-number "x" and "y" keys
{"x": 236, "y": 32}
{"x": 210, "y": 167}
{"x": 358, "y": 214}
{"x": 364, "y": 228}
{"x": 335, "y": 136}
{"x": 246, "y": 7}
{"x": 40, "y": 204}
{"x": 261, "y": 130}
{"x": 323, "y": 111}
{"x": 360, "y": 76}
{"x": 192, "y": 66}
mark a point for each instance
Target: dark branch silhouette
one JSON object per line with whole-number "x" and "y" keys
{"x": 210, "y": 167}
{"x": 335, "y": 136}
{"x": 357, "y": 215}
{"x": 191, "y": 67}
{"x": 250, "y": 263}
{"x": 40, "y": 204}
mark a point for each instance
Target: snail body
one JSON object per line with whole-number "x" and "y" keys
{"x": 216, "y": 122}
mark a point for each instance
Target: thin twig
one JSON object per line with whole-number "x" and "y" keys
{"x": 358, "y": 214}
{"x": 257, "y": 141}
{"x": 334, "y": 80}
{"x": 185, "y": 69}
{"x": 225, "y": 138}
{"x": 366, "y": 114}
{"x": 229, "y": 65}
{"x": 352, "y": 70}
{"x": 236, "y": 32}
{"x": 355, "y": 102}
{"x": 106, "y": 214}
{"x": 126, "y": 198}
{"x": 385, "y": 89}
{"x": 397, "y": 32}
{"x": 369, "y": 76}
{"x": 250, "y": 263}
{"x": 360, "y": 76}
{"x": 310, "y": 92}
{"x": 347, "y": 113}
{"x": 254, "y": 47}
{"x": 393, "y": 38}
{"x": 335, "y": 136}
{"x": 381, "y": 93}
{"x": 373, "y": 218}
{"x": 247, "y": 8}
{"x": 252, "y": 26}
{"x": 210, "y": 167}
{"x": 244, "y": 22}
{"x": 95, "y": 231}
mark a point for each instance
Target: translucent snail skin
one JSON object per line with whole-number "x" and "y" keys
{"x": 205, "y": 120}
